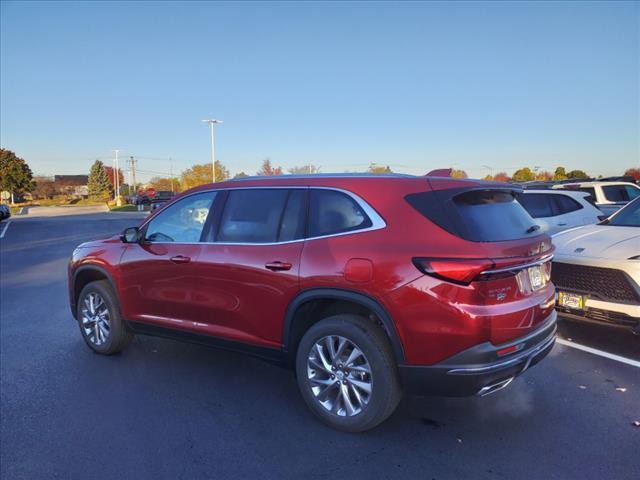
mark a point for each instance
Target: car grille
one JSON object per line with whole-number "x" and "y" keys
{"x": 599, "y": 283}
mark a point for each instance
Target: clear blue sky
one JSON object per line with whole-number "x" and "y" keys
{"x": 414, "y": 85}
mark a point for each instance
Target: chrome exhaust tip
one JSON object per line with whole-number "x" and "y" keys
{"x": 489, "y": 389}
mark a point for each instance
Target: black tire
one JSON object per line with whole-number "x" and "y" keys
{"x": 385, "y": 386}
{"x": 118, "y": 337}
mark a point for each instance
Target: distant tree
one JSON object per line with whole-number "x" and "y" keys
{"x": 166, "y": 184}
{"x": 459, "y": 174}
{"x": 501, "y": 177}
{"x": 100, "y": 187}
{"x": 125, "y": 189}
{"x": 375, "y": 168}
{"x": 560, "y": 174}
{"x": 201, "y": 174}
{"x": 268, "y": 170}
{"x": 523, "y": 175}
{"x": 544, "y": 176}
{"x": 304, "y": 169}
{"x": 112, "y": 177}
{"x": 632, "y": 172}
{"x": 15, "y": 174}
{"x": 487, "y": 177}
{"x": 577, "y": 174}
{"x": 240, "y": 175}
{"x": 45, "y": 187}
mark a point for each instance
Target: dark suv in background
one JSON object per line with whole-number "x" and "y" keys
{"x": 364, "y": 285}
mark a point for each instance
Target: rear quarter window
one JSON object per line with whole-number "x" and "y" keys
{"x": 565, "y": 204}
{"x": 537, "y": 204}
{"x": 332, "y": 212}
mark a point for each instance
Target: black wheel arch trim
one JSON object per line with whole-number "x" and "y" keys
{"x": 359, "y": 298}
{"x": 84, "y": 268}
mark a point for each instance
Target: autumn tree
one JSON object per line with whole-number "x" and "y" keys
{"x": 577, "y": 175}
{"x": 165, "y": 184}
{"x": 268, "y": 170}
{"x": 99, "y": 185}
{"x": 501, "y": 177}
{"x": 15, "y": 174}
{"x": 487, "y": 177}
{"x": 633, "y": 172}
{"x": 304, "y": 169}
{"x": 240, "y": 175}
{"x": 45, "y": 187}
{"x": 544, "y": 176}
{"x": 458, "y": 174}
{"x": 560, "y": 174}
{"x": 523, "y": 175}
{"x": 110, "y": 174}
{"x": 376, "y": 168}
{"x": 201, "y": 174}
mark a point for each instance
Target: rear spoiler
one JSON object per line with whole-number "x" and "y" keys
{"x": 440, "y": 172}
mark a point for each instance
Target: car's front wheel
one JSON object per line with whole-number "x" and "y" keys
{"x": 347, "y": 374}
{"x": 99, "y": 318}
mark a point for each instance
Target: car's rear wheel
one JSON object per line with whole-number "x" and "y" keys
{"x": 99, "y": 318}
{"x": 347, "y": 374}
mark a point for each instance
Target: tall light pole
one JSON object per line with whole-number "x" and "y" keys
{"x": 490, "y": 169}
{"x": 212, "y": 122}
{"x": 116, "y": 176}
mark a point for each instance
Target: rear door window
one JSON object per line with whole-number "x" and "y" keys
{"x": 252, "y": 216}
{"x": 539, "y": 205}
{"x": 332, "y": 212}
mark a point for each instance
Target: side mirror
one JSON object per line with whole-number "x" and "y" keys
{"x": 130, "y": 235}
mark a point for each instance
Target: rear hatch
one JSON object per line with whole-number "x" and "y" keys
{"x": 504, "y": 268}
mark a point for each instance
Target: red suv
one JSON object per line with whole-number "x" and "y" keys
{"x": 365, "y": 285}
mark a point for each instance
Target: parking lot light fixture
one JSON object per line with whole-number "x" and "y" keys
{"x": 212, "y": 122}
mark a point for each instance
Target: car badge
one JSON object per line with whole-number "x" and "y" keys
{"x": 578, "y": 250}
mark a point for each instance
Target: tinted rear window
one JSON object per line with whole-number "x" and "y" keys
{"x": 476, "y": 215}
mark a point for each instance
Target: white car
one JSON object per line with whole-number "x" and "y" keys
{"x": 557, "y": 210}
{"x": 607, "y": 196}
{"x": 596, "y": 270}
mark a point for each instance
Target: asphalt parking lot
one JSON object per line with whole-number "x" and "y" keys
{"x": 168, "y": 410}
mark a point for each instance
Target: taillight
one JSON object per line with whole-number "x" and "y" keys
{"x": 530, "y": 275}
{"x": 462, "y": 271}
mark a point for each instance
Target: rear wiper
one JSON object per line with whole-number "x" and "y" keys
{"x": 533, "y": 228}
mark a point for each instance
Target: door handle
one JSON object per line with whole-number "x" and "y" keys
{"x": 278, "y": 266}
{"x": 562, "y": 224}
{"x": 180, "y": 259}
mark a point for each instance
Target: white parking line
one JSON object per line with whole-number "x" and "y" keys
{"x": 611, "y": 356}
{"x": 4, "y": 230}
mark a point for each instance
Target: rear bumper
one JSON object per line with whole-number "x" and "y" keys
{"x": 479, "y": 370}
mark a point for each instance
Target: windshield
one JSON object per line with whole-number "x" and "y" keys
{"x": 629, "y": 216}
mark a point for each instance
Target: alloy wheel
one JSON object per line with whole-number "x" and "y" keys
{"x": 95, "y": 319}
{"x": 339, "y": 376}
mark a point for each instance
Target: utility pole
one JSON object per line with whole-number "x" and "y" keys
{"x": 133, "y": 173}
{"x": 211, "y": 123}
{"x": 171, "y": 173}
